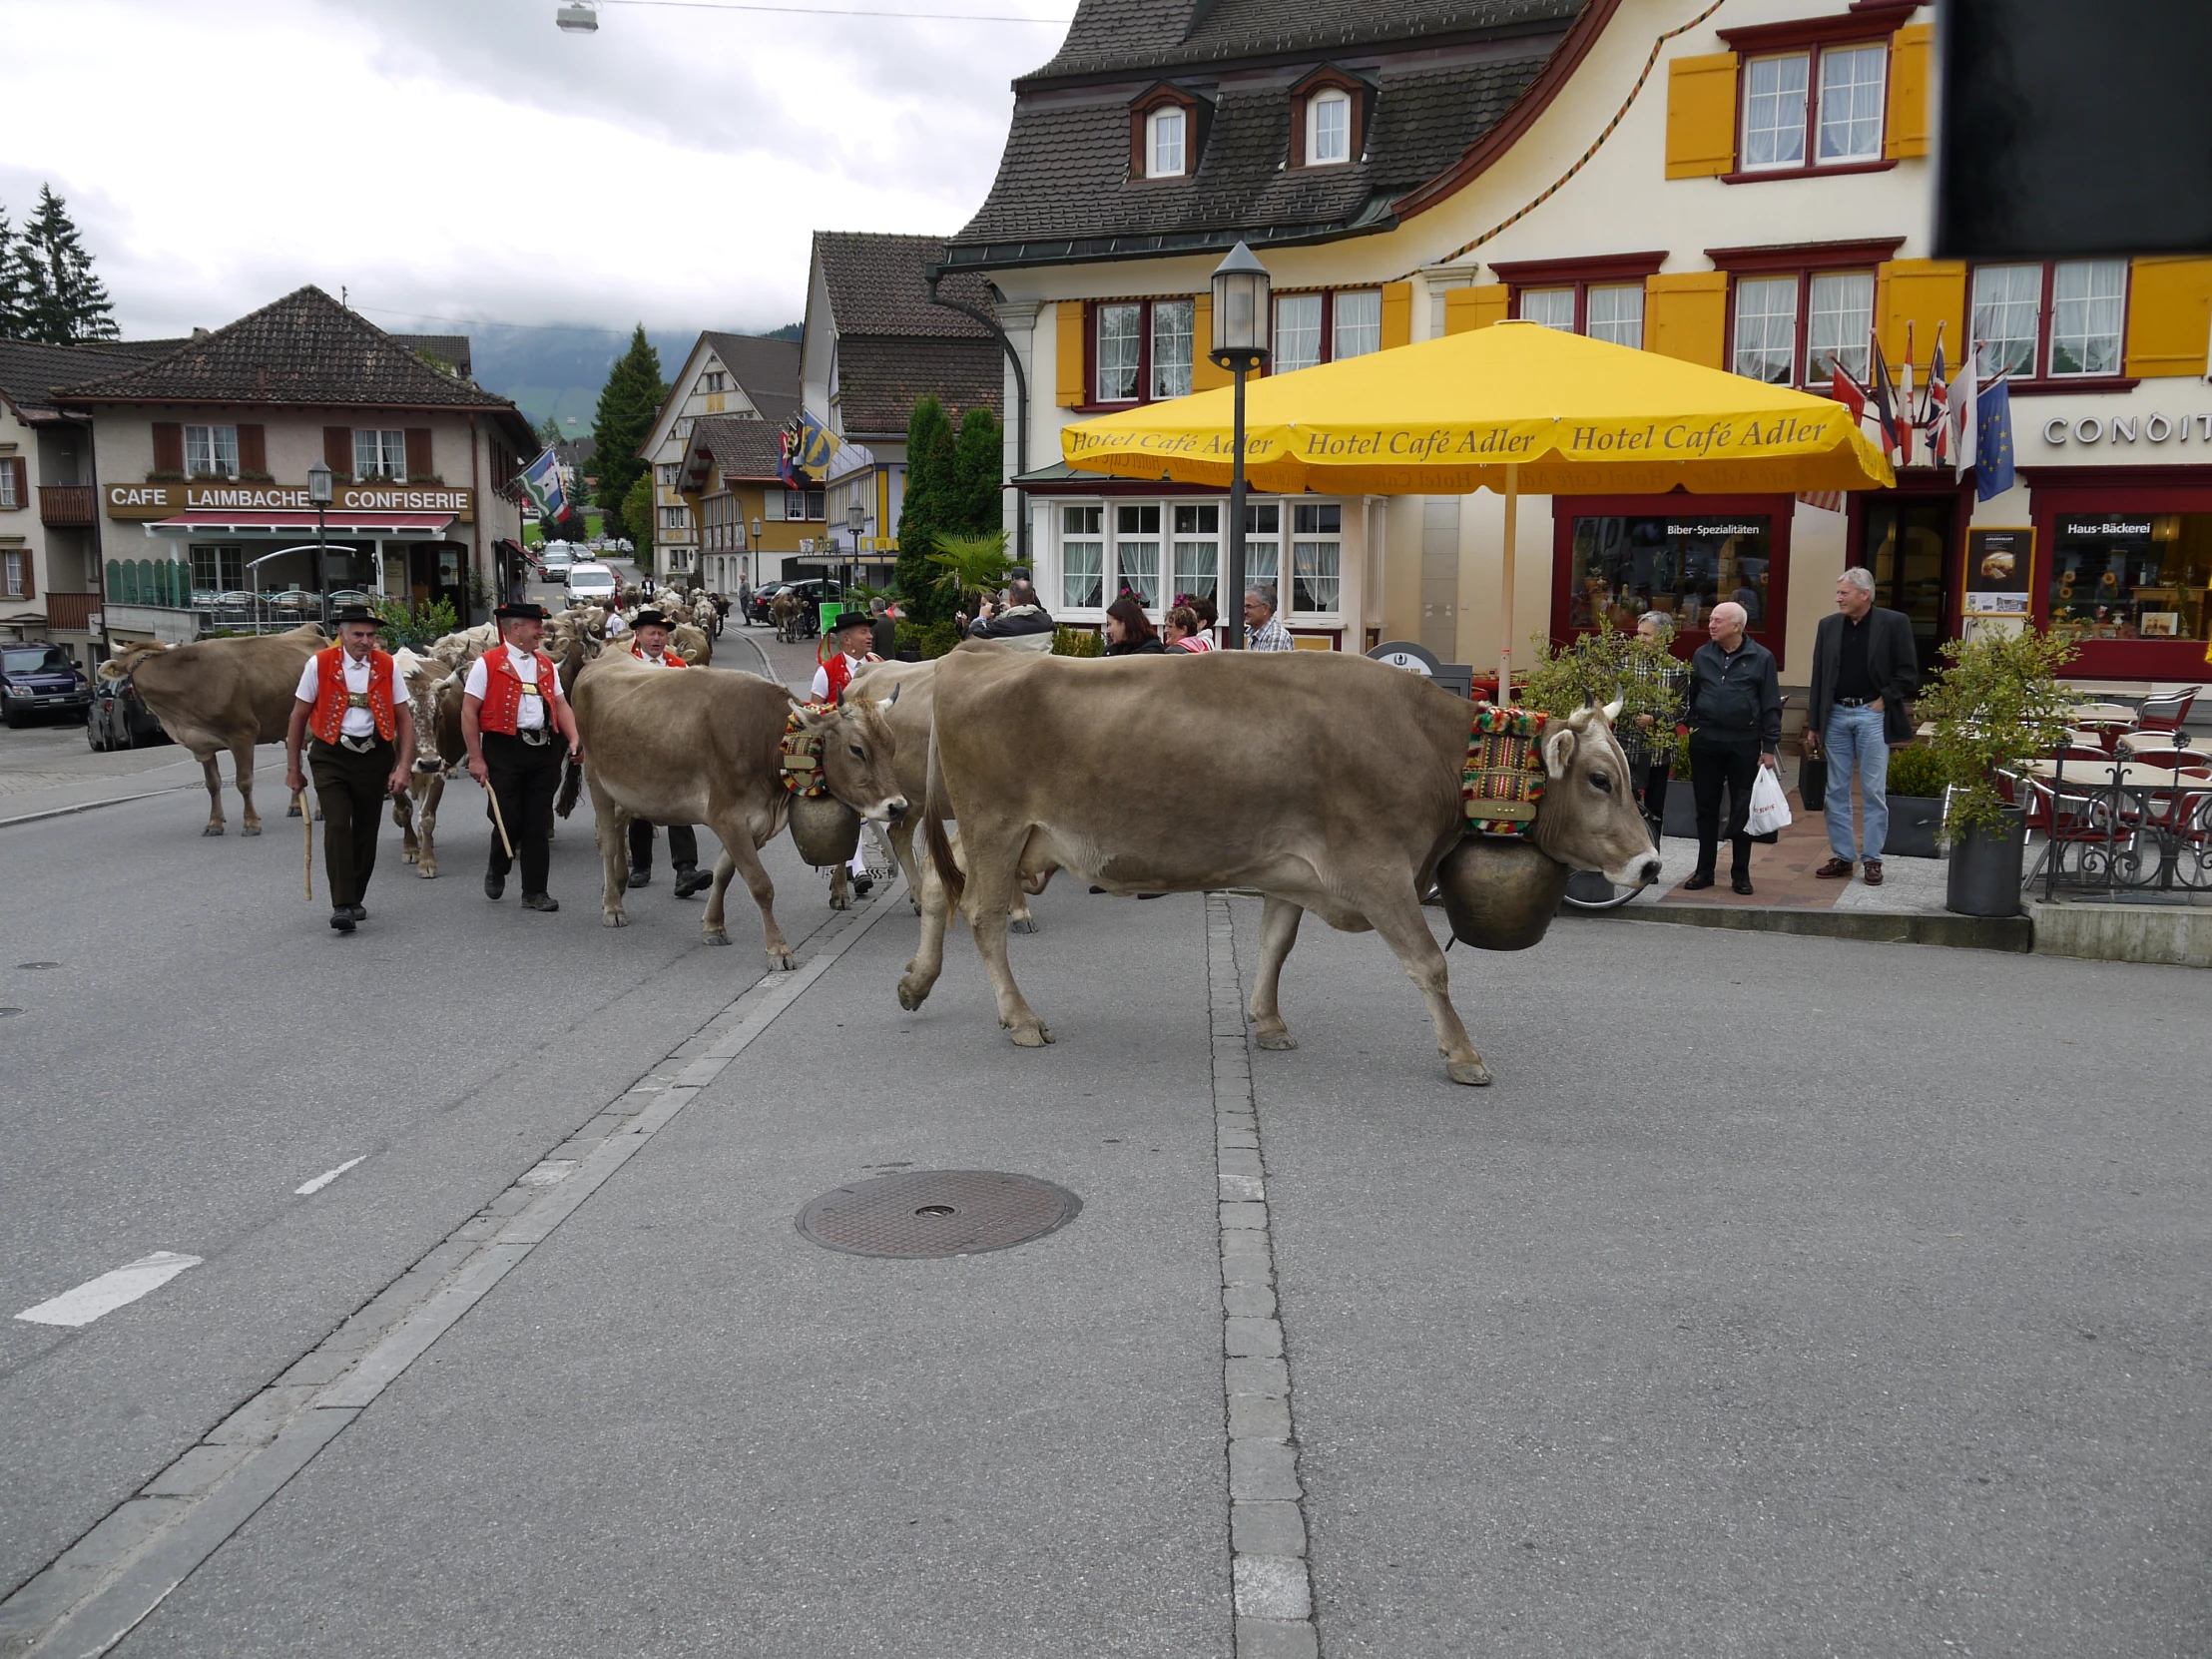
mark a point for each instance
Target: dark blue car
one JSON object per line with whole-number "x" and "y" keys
{"x": 41, "y": 680}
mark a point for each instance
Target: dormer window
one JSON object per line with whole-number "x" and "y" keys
{"x": 1327, "y": 128}
{"x": 1164, "y": 130}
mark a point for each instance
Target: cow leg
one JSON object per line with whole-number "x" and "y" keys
{"x": 402, "y": 814}
{"x": 841, "y": 890}
{"x": 242, "y": 766}
{"x": 612, "y": 830}
{"x": 1278, "y": 932}
{"x": 428, "y": 825}
{"x": 215, "y": 793}
{"x": 922, "y": 973}
{"x": 739, "y": 856}
{"x": 990, "y": 895}
{"x": 1405, "y": 932}
{"x": 902, "y": 848}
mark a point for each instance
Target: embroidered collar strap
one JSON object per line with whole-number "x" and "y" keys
{"x": 1503, "y": 780}
{"x": 803, "y": 752}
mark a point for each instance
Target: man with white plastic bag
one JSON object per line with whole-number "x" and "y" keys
{"x": 1734, "y": 716}
{"x": 1770, "y": 807}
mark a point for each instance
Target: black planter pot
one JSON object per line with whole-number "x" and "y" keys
{"x": 1916, "y": 824}
{"x": 1681, "y": 817}
{"x": 1986, "y": 869}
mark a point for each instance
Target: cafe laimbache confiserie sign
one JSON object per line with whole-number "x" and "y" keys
{"x": 226, "y": 495}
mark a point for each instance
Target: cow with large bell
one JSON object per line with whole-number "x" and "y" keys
{"x": 1331, "y": 784}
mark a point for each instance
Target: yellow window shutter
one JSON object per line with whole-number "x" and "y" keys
{"x": 2169, "y": 315}
{"x": 1925, "y": 293}
{"x": 1907, "y": 124}
{"x": 1476, "y": 307}
{"x": 1686, "y": 316}
{"x": 1701, "y": 116}
{"x": 1206, "y": 375}
{"x": 1397, "y": 314}
{"x": 1068, "y": 366}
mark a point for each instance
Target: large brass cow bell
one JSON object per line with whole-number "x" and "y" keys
{"x": 1499, "y": 894}
{"x": 825, "y": 829}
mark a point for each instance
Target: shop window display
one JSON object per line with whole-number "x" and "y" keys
{"x": 1680, "y": 564}
{"x": 2131, "y": 576}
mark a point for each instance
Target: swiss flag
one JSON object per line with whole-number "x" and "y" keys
{"x": 1846, "y": 391}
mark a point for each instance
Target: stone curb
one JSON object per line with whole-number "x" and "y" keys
{"x": 2010, "y": 934}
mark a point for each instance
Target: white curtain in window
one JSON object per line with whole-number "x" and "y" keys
{"x": 2008, "y": 306}
{"x": 1766, "y": 328}
{"x": 1553, "y": 307}
{"x": 1171, "y": 347}
{"x": 1838, "y": 322}
{"x": 1356, "y": 327}
{"x": 1328, "y": 129}
{"x": 1616, "y": 313}
{"x": 2085, "y": 305}
{"x": 1118, "y": 346}
{"x": 1137, "y": 553}
{"x": 1851, "y": 102}
{"x": 1197, "y": 550}
{"x": 212, "y": 451}
{"x": 1167, "y": 144}
{"x": 1774, "y": 112}
{"x": 1296, "y": 332}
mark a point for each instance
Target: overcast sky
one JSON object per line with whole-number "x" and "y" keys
{"x": 464, "y": 159}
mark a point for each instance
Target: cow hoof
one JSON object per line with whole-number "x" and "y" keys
{"x": 1032, "y": 1037}
{"x": 781, "y": 963}
{"x": 428, "y": 871}
{"x": 613, "y": 919}
{"x": 836, "y": 903}
{"x": 212, "y": 829}
{"x": 407, "y": 857}
{"x": 1471, "y": 1072}
{"x": 712, "y": 935}
{"x": 1277, "y": 1041}
{"x": 251, "y": 830}
{"x": 911, "y": 995}
{"x": 1023, "y": 925}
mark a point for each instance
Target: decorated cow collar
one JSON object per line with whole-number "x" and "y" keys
{"x": 1503, "y": 780}
{"x": 802, "y": 751}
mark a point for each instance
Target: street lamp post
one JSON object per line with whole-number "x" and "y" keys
{"x": 1240, "y": 290}
{"x": 856, "y": 520}
{"x": 318, "y": 492}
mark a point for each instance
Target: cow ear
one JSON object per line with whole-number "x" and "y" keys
{"x": 1558, "y": 751}
{"x": 811, "y": 718}
{"x": 1612, "y": 711}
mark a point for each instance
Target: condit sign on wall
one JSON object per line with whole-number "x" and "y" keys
{"x": 161, "y": 500}
{"x": 2150, "y": 428}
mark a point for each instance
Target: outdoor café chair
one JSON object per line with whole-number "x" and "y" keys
{"x": 2166, "y": 711}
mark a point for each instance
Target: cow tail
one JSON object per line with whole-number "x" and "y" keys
{"x": 933, "y": 823}
{"x": 572, "y": 785}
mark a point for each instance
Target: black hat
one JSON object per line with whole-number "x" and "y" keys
{"x": 852, "y": 619}
{"x": 521, "y": 611}
{"x": 353, "y": 613}
{"x": 650, "y": 619}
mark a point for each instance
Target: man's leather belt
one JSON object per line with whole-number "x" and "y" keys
{"x": 1854, "y": 701}
{"x": 537, "y": 737}
{"x": 359, "y": 746}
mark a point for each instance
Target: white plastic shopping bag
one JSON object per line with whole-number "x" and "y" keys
{"x": 1770, "y": 807}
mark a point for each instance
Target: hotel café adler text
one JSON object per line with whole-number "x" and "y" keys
{"x": 1752, "y": 192}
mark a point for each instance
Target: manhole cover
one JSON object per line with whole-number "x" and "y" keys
{"x": 943, "y": 1212}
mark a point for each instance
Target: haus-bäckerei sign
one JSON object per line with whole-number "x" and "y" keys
{"x": 224, "y": 495}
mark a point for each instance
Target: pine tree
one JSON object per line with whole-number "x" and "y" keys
{"x": 632, "y": 396}
{"x": 549, "y": 432}
{"x": 979, "y": 471}
{"x": 63, "y": 299}
{"x": 927, "y": 510}
{"x": 15, "y": 322}
{"x": 637, "y": 518}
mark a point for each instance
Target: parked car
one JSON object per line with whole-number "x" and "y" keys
{"x": 554, "y": 558}
{"x": 815, "y": 591}
{"x": 39, "y": 678}
{"x": 589, "y": 581}
{"x": 118, "y": 720}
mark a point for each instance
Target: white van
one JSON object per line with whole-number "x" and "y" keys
{"x": 589, "y": 581}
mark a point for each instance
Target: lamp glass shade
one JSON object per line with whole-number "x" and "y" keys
{"x": 1241, "y": 293}
{"x": 318, "y": 484}
{"x": 855, "y": 518}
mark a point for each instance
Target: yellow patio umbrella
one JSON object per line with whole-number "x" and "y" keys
{"x": 1514, "y": 406}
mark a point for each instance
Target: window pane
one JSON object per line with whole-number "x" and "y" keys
{"x": 1171, "y": 347}
{"x": 1553, "y": 307}
{"x": 365, "y": 452}
{"x": 2007, "y": 300}
{"x": 1167, "y": 144}
{"x": 1623, "y": 567}
{"x": 2126, "y": 575}
{"x": 199, "y": 452}
{"x": 1314, "y": 575}
{"x": 1117, "y": 352}
{"x": 395, "y": 454}
{"x": 1319, "y": 518}
{"x": 1197, "y": 550}
{"x": 1082, "y": 572}
{"x": 1262, "y": 566}
{"x": 1358, "y": 327}
{"x": 2086, "y": 299}
{"x": 1261, "y": 518}
{"x": 1774, "y": 112}
{"x": 1296, "y": 332}
{"x": 1331, "y": 127}
{"x": 1137, "y": 571}
{"x": 1766, "y": 328}
{"x": 204, "y": 572}
{"x": 1836, "y": 325}
{"x": 1617, "y": 315}
{"x": 1851, "y": 102}
{"x": 1081, "y": 521}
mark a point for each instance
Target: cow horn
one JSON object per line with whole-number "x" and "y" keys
{"x": 1612, "y": 711}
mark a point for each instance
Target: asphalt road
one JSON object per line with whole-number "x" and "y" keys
{"x": 1784, "y": 1296}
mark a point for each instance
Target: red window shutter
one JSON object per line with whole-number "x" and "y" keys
{"x": 338, "y": 451}
{"x": 252, "y": 449}
{"x": 419, "y": 452}
{"x": 168, "y": 447}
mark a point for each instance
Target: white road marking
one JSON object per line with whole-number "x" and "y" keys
{"x": 110, "y": 1291}
{"x": 325, "y": 1178}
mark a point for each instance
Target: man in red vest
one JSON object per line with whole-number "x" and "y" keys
{"x": 649, "y": 644}
{"x": 352, "y": 697}
{"x": 518, "y": 729}
{"x": 854, "y": 632}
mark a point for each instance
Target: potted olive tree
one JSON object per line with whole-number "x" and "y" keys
{"x": 1997, "y": 704}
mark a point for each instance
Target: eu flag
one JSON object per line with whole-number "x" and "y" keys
{"x": 1993, "y": 453}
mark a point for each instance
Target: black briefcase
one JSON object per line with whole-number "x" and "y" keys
{"x": 1811, "y": 782}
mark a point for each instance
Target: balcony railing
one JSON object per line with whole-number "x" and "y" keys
{"x": 66, "y": 507}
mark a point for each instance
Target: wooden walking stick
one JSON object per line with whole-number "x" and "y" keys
{"x": 500, "y": 819}
{"x": 307, "y": 820}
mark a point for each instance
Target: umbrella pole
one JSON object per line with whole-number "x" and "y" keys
{"x": 1505, "y": 596}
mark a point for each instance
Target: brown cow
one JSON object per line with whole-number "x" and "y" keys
{"x": 215, "y": 695}
{"x": 434, "y": 693}
{"x": 703, "y": 746}
{"x": 1330, "y": 782}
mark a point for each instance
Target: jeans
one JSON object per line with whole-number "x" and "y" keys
{"x": 1714, "y": 765}
{"x": 1855, "y": 743}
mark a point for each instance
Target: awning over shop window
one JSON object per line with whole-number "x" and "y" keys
{"x": 282, "y": 522}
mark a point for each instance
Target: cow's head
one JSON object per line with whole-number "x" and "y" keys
{"x": 425, "y": 679}
{"x": 857, "y": 756}
{"x": 1590, "y": 818}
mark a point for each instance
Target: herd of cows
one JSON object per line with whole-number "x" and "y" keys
{"x": 1323, "y": 782}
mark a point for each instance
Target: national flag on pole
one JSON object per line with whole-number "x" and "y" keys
{"x": 1885, "y": 405}
{"x": 817, "y": 443}
{"x": 1829, "y": 502}
{"x": 1963, "y": 413}
{"x": 1936, "y": 420}
{"x": 785, "y": 468}
{"x": 1846, "y": 390}
{"x": 1905, "y": 415}
{"x": 1994, "y": 440}
{"x": 542, "y": 482}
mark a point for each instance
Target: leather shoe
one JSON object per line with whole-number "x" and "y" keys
{"x": 540, "y": 902}
{"x": 495, "y": 883}
{"x": 1698, "y": 882}
{"x": 640, "y": 877}
{"x": 691, "y": 878}
{"x": 1742, "y": 884}
{"x": 343, "y": 918}
{"x": 1874, "y": 872}
{"x": 1836, "y": 869}
{"x": 863, "y": 885}
{"x": 360, "y": 911}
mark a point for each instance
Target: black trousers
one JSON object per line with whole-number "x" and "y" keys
{"x": 1713, "y": 766}
{"x": 1656, "y": 777}
{"x": 525, "y": 777}
{"x": 350, "y": 786}
{"x": 683, "y": 844}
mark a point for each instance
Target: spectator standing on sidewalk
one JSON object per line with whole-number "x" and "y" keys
{"x": 1129, "y": 631}
{"x": 1183, "y": 632}
{"x": 1652, "y": 751}
{"x": 1022, "y": 621}
{"x": 1262, "y": 631}
{"x": 1865, "y": 671}
{"x": 1735, "y": 718}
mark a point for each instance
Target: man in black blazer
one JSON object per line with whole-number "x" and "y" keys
{"x": 1865, "y": 671}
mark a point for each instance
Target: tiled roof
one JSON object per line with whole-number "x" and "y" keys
{"x": 447, "y": 348}
{"x": 741, "y": 448}
{"x": 877, "y": 286}
{"x": 29, "y": 371}
{"x": 1065, "y": 171}
{"x": 1108, "y": 35}
{"x": 880, "y": 379}
{"x": 305, "y": 348}
{"x": 763, "y": 366}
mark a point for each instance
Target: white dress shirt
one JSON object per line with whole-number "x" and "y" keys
{"x": 358, "y": 723}
{"x": 530, "y": 713}
{"x": 822, "y": 676}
